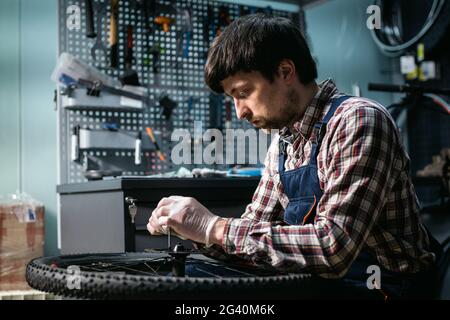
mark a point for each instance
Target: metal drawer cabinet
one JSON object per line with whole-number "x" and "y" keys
{"x": 95, "y": 216}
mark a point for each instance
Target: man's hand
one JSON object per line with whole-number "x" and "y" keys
{"x": 188, "y": 219}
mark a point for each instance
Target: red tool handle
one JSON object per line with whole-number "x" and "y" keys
{"x": 129, "y": 53}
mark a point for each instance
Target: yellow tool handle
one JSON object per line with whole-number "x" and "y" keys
{"x": 150, "y": 134}
{"x": 113, "y": 36}
{"x": 160, "y": 154}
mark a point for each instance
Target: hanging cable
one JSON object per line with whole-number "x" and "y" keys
{"x": 391, "y": 31}
{"x": 439, "y": 101}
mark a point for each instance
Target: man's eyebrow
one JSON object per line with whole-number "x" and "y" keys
{"x": 243, "y": 84}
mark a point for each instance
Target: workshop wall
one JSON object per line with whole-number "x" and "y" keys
{"x": 9, "y": 96}
{"x": 343, "y": 47}
{"x": 28, "y": 30}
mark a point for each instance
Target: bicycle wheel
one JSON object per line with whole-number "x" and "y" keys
{"x": 150, "y": 276}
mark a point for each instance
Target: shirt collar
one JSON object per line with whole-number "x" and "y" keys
{"x": 313, "y": 111}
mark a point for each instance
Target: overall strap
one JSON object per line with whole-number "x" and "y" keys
{"x": 321, "y": 126}
{"x": 282, "y": 151}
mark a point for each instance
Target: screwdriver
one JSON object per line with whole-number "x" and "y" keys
{"x": 158, "y": 149}
{"x": 169, "y": 244}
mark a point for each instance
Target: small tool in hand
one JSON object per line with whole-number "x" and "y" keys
{"x": 169, "y": 240}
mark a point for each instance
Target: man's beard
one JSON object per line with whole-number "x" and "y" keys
{"x": 288, "y": 115}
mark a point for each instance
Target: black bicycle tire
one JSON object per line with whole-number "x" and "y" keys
{"x": 41, "y": 275}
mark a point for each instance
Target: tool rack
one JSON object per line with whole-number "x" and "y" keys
{"x": 179, "y": 77}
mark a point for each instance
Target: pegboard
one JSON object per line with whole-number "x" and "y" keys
{"x": 180, "y": 77}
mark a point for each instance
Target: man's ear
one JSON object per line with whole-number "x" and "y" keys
{"x": 286, "y": 70}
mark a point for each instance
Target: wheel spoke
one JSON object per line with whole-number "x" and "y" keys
{"x": 138, "y": 271}
{"x": 208, "y": 273}
{"x": 154, "y": 271}
{"x": 152, "y": 266}
{"x": 91, "y": 268}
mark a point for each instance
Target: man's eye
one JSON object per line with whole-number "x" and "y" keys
{"x": 243, "y": 93}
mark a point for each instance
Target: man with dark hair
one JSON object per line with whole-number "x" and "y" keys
{"x": 335, "y": 197}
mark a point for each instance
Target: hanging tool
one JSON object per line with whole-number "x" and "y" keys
{"x": 168, "y": 105}
{"x": 90, "y": 32}
{"x": 209, "y": 23}
{"x": 155, "y": 52}
{"x": 162, "y": 14}
{"x": 129, "y": 50}
{"x": 165, "y": 22}
{"x": 188, "y": 115}
{"x": 160, "y": 154}
{"x": 188, "y": 35}
{"x": 228, "y": 120}
{"x": 100, "y": 10}
{"x": 97, "y": 87}
{"x": 186, "y": 32}
{"x": 191, "y": 101}
{"x": 138, "y": 149}
{"x": 189, "y": 110}
{"x": 130, "y": 77}
{"x": 75, "y": 144}
{"x": 148, "y": 7}
{"x": 111, "y": 125}
{"x": 113, "y": 36}
{"x": 224, "y": 19}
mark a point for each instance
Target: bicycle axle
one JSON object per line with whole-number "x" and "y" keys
{"x": 179, "y": 255}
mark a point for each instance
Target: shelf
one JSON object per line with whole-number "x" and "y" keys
{"x": 78, "y": 99}
{"x": 104, "y": 108}
{"x": 114, "y": 140}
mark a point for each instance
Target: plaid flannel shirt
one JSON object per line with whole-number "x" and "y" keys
{"x": 368, "y": 198}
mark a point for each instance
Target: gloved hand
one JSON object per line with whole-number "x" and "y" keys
{"x": 185, "y": 216}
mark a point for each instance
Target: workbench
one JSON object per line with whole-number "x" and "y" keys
{"x": 95, "y": 217}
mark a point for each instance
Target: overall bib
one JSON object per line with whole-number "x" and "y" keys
{"x": 302, "y": 188}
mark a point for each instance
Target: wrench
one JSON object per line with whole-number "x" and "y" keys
{"x": 100, "y": 9}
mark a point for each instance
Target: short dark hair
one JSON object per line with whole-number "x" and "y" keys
{"x": 258, "y": 42}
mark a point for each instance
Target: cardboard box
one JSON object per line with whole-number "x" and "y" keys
{"x": 21, "y": 240}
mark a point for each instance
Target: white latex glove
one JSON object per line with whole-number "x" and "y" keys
{"x": 185, "y": 216}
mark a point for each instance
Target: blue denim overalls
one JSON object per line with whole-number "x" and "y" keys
{"x": 302, "y": 185}
{"x": 302, "y": 188}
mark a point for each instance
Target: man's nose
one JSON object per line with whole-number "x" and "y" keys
{"x": 242, "y": 112}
